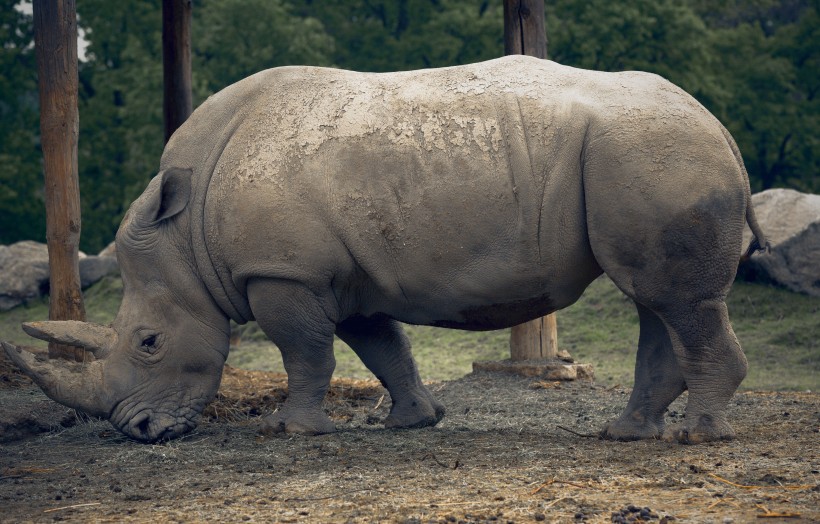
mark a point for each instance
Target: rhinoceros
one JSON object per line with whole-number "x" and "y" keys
{"x": 324, "y": 202}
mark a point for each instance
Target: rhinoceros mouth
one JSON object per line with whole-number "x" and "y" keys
{"x": 147, "y": 424}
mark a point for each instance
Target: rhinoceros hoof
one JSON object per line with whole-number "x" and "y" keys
{"x": 313, "y": 424}
{"x": 628, "y": 429}
{"x": 707, "y": 429}
{"x": 416, "y": 414}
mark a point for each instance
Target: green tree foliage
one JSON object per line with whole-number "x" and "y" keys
{"x": 753, "y": 63}
{"x": 233, "y": 39}
{"x": 392, "y": 35}
{"x": 661, "y": 36}
{"x": 121, "y": 135}
{"x": 767, "y": 60}
{"x": 22, "y": 211}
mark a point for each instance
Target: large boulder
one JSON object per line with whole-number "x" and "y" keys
{"x": 95, "y": 267}
{"x": 791, "y": 222}
{"x": 24, "y": 272}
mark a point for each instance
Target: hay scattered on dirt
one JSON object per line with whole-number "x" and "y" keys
{"x": 499, "y": 455}
{"x": 246, "y": 394}
{"x": 10, "y": 375}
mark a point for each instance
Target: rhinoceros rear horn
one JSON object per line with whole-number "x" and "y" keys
{"x": 97, "y": 339}
{"x": 73, "y": 384}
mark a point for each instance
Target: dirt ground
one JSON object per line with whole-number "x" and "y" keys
{"x": 499, "y": 455}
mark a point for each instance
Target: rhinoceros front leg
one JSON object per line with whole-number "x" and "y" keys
{"x": 382, "y": 345}
{"x": 658, "y": 381}
{"x": 297, "y": 321}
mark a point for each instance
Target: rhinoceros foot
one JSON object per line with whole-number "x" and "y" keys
{"x": 706, "y": 428}
{"x": 303, "y": 422}
{"x": 632, "y": 427}
{"x": 415, "y": 411}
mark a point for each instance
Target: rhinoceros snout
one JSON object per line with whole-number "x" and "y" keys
{"x": 148, "y": 427}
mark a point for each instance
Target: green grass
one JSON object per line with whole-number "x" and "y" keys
{"x": 101, "y": 303}
{"x": 779, "y": 331}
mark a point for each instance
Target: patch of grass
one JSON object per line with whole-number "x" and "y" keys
{"x": 779, "y": 331}
{"x": 101, "y": 302}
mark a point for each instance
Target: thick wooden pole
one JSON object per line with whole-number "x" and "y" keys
{"x": 176, "y": 62}
{"x": 55, "y": 37}
{"x": 525, "y": 34}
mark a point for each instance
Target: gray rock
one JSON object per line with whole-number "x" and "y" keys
{"x": 791, "y": 222}
{"x": 24, "y": 274}
{"x": 94, "y": 267}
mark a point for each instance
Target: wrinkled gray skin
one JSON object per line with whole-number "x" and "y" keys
{"x": 322, "y": 202}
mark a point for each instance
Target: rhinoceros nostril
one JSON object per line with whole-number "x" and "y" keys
{"x": 141, "y": 424}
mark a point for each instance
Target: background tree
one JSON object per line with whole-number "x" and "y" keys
{"x": 121, "y": 135}
{"x": 22, "y": 210}
{"x": 766, "y": 62}
{"x": 395, "y": 35}
{"x": 233, "y": 39}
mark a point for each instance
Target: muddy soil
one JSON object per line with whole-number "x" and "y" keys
{"x": 499, "y": 455}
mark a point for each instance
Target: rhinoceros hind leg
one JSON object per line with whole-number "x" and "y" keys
{"x": 382, "y": 345}
{"x": 658, "y": 381}
{"x": 295, "y": 319}
{"x": 706, "y": 428}
{"x": 713, "y": 365}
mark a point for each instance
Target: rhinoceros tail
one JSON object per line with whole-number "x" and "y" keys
{"x": 759, "y": 242}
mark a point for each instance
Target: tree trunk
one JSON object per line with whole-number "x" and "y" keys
{"x": 55, "y": 37}
{"x": 524, "y": 34}
{"x": 176, "y": 62}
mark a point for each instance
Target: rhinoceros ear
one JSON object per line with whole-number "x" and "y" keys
{"x": 175, "y": 190}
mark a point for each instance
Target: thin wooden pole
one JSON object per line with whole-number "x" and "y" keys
{"x": 176, "y": 63}
{"x": 525, "y": 34}
{"x": 55, "y": 37}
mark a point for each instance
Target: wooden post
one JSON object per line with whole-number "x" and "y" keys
{"x": 535, "y": 340}
{"x": 534, "y": 345}
{"x": 176, "y": 63}
{"x": 524, "y": 34}
{"x": 55, "y": 37}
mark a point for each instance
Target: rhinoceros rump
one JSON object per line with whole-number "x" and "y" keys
{"x": 321, "y": 202}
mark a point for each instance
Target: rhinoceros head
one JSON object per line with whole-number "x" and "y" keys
{"x": 160, "y": 362}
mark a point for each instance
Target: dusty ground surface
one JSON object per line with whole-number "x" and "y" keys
{"x": 498, "y": 456}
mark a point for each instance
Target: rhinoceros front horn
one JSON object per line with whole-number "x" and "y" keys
{"x": 79, "y": 385}
{"x": 97, "y": 339}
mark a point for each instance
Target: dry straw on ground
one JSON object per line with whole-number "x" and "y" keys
{"x": 498, "y": 456}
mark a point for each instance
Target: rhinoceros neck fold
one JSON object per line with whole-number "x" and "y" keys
{"x": 214, "y": 275}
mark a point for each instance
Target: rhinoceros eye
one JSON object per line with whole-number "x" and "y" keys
{"x": 149, "y": 344}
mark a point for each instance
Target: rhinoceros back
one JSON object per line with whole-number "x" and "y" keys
{"x": 434, "y": 194}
